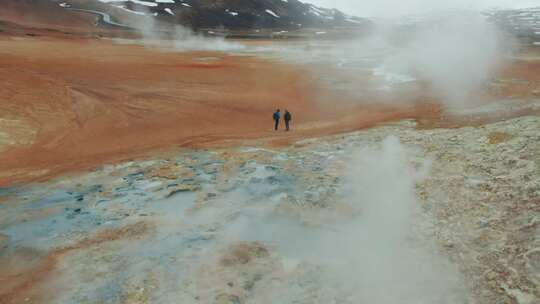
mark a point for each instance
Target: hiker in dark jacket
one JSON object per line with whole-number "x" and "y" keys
{"x": 277, "y": 116}
{"x": 287, "y": 117}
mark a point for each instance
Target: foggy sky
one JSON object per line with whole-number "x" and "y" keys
{"x": 396, "y": 8}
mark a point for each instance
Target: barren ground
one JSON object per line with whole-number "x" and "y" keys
{"x": 256, "y": 225}
{"x": 193, "y": 198}
{"x": 72, "y": 104}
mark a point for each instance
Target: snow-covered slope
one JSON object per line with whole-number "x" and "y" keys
{"x": 236, "y": 14}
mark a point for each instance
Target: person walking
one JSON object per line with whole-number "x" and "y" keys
{"x": 277, "y": 116}
{"x": 287, "y": 117}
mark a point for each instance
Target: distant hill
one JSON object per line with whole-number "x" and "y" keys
{"x": 41, "y": 13}
{"x": 233, "y": 14}
{"x": 523, "y": 23}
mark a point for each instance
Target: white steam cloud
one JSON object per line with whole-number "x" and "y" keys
{"x": 177, "y": 37}
{"x": 388, "y": 260}
{"x": 373, "y": 253}
{"x": 455, "y": 54}
{"x": 449, "y": 58}
{"x": 448, "y": 45}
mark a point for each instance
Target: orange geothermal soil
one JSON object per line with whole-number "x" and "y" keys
{"x": 80, "y": 103}
{"x": 69, "y": 101}
{"x": 72, "y": 104}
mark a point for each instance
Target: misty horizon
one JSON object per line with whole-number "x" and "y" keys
{"x": 396, "y": 9}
